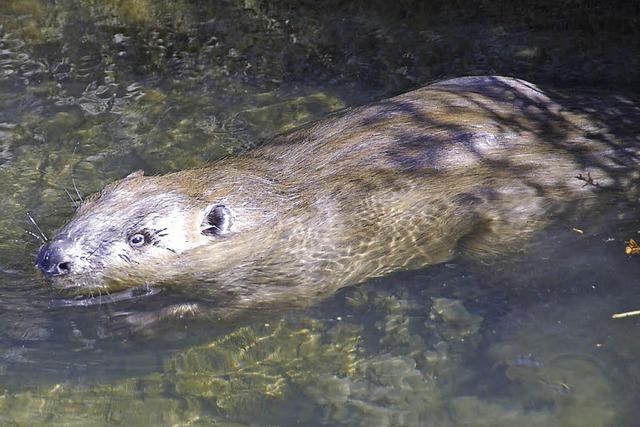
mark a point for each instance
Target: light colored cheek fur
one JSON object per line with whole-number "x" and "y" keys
{"x": 176, "y": 231}
{"x": 88, "y": 255}
{"x": 180, "y": 233}
{"x": 130, "y": 265}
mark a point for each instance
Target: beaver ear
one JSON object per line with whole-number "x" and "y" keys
{"x": 135, "y": 174}
{"x": 217, "y": 221}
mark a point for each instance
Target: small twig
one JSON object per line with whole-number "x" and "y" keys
{"x": 588, "y": 180}
{"x": 626, "y": 314}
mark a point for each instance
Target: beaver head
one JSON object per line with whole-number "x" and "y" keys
{"x": 123, "y": 235}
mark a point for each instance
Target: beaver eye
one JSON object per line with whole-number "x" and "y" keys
{"x": 137, "y": 240}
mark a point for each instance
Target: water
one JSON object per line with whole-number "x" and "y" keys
{"x": 94, "y": 90}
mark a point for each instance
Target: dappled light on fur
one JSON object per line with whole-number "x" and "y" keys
{"x": 465, "y": 167}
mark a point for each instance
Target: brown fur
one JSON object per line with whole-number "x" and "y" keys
{"x": 472, "y": 164}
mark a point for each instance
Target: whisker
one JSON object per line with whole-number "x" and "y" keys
{"x": 75, "y": 204}
{"x": 94, "y": 251}
{"x": 34, "y": 235}
{"x": 75, "y": 187}
{"x": 33, "y": 221}
{"x": 109, "y": 295}
{"x": 91, "y": 300}
{"x": 73, "y": 180}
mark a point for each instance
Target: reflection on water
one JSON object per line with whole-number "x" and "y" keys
{"x": 93, "y": 90}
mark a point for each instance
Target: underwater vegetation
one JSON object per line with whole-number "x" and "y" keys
{"x": 92, "y": 90}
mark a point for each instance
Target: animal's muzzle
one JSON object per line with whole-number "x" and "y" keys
{"x": 52, "y": 260}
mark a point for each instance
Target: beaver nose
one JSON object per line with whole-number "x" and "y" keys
{"x": 52, "y": 260}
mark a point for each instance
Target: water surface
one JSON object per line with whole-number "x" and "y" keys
{"x": 94, "y": 90}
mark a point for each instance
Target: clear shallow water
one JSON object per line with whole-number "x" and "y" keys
{"x": 94, "y": 90}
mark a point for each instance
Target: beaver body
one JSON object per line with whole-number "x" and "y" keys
{"x": 471, "y": 164}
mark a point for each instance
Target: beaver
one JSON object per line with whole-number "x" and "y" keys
{"x": 471, "y": 165}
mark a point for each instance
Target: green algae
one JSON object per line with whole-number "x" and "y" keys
{"x": 249, "y": 368}
{"x": 245, "y": 371}
{"x": 408, "y": 370}
{"x": 282, "y": 116}
{"x": 257, "y": 371}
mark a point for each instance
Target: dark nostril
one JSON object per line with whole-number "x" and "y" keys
{"x": 52, "y": 260}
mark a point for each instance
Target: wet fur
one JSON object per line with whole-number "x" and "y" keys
{"x": 469, "y": 165}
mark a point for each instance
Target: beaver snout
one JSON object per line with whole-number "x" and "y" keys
{"x": 52, "y": 260}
